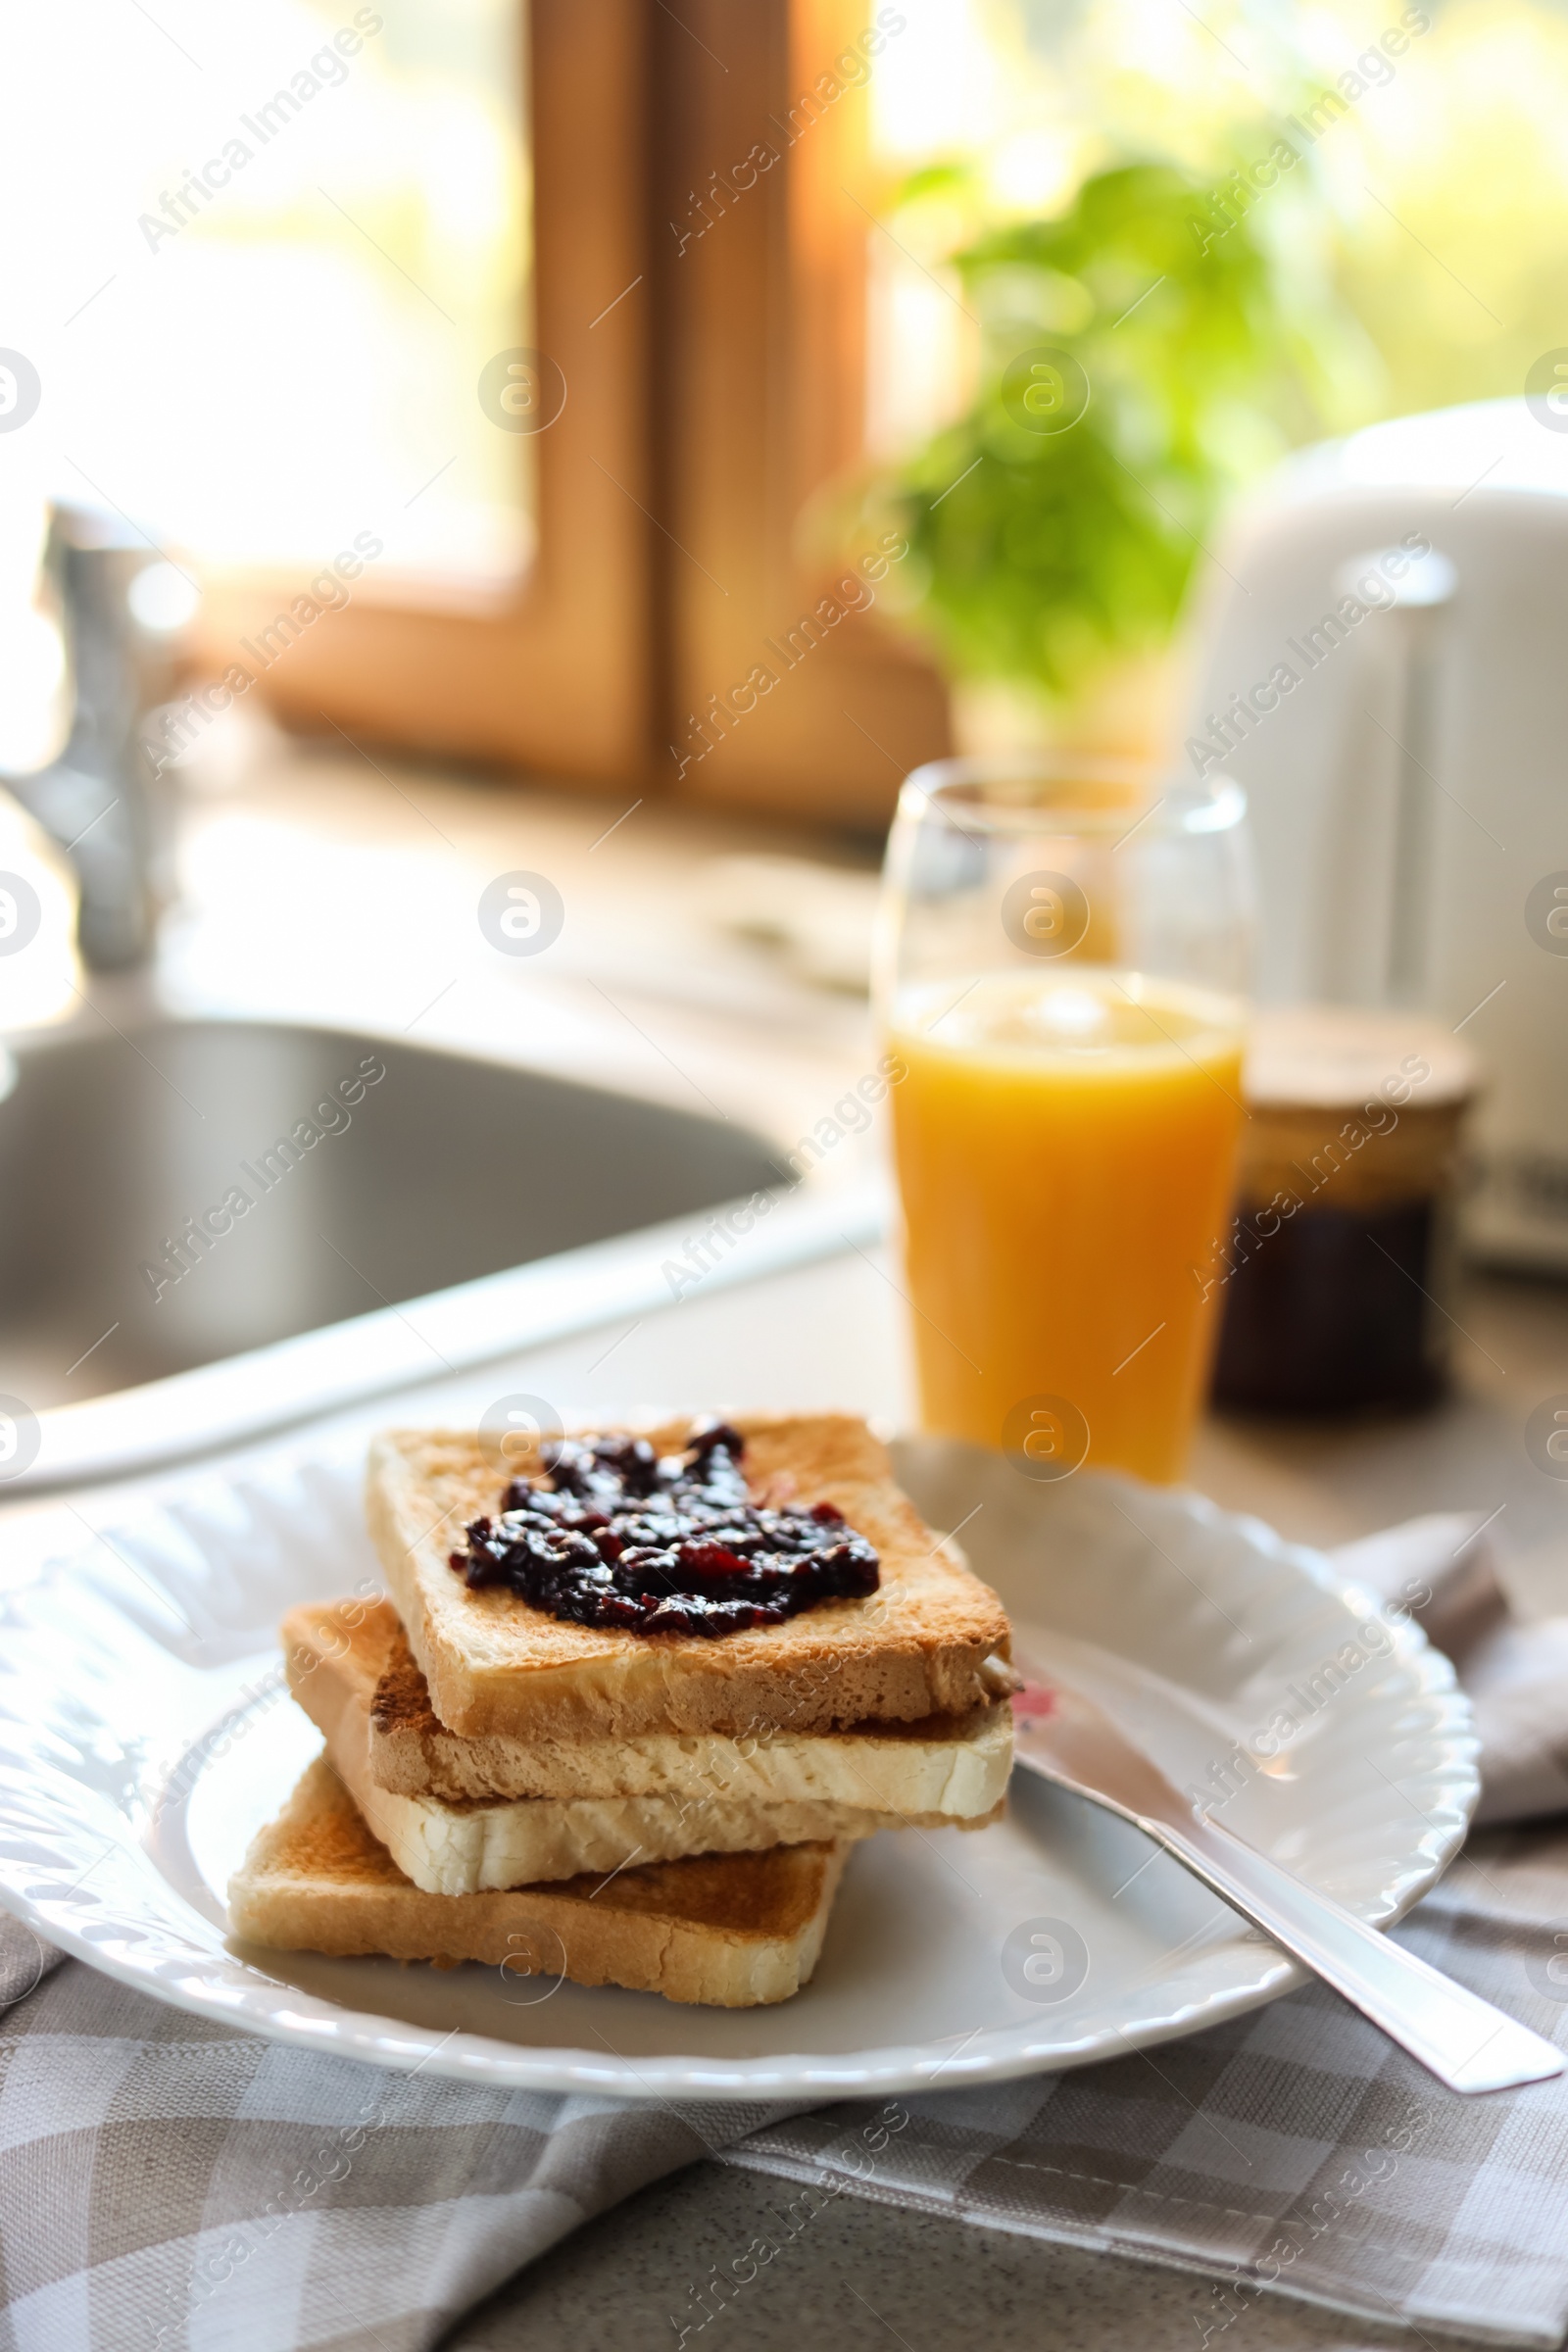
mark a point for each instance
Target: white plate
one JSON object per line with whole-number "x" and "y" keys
{"x": 145, "y": 1734}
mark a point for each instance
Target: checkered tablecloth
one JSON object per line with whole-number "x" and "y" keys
{"x": 1292, "y": 2151}
{"x": 165, "y": 2181}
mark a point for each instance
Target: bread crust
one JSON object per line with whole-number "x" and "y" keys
{"x": 726, "y": 1931}
{"x": 915, "y": 1648}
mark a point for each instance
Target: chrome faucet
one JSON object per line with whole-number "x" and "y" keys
{"x": 101, "y": 798}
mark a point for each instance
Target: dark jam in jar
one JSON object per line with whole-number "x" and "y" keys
{"x": 615, "y": 1536}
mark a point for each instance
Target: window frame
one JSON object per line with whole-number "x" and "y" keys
{"x": 709, "y": 408}
{"x": 764, "y": 318}
{"x": 556, "y": 676}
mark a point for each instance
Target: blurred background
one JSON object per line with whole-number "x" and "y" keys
{"x": 257, "y": 319}
{"x": 615, "y": 442}
{"x": 778, "y": 260}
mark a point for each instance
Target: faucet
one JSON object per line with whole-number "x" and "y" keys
{"x": 102, "y": 798}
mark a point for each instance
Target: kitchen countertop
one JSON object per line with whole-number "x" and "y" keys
{"x": 308, "y": 892}
{"x": 319, "y": 883}
{"x": 866, "y": 2276}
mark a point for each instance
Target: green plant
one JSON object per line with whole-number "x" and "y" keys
{"x": 1048, "y": 551}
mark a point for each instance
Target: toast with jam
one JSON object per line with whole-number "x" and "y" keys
{"x": 733, "y": 1579}
{"x": 632, "y": 1701}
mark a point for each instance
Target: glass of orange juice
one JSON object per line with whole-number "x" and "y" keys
{"x": 1062, "y": 960}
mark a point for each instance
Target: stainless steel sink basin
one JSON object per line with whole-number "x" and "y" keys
{"x": 189, "y": 1190}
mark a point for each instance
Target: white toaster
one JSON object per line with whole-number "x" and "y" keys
{"x": 1379, "y": 657}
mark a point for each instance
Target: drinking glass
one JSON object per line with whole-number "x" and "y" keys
{"x": 1061, "y": 958}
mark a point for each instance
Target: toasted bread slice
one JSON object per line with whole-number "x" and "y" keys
{"x": 457, "y": 1847}
{"x": 354, "y": 1653}
{"x": 730, "y": 1931}
{"x": 915, "y": 1648}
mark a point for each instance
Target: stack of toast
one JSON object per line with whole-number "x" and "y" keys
{"x": 668, "y": 1810}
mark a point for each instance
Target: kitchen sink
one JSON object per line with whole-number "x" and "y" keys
{"x": 184, "y": 1191}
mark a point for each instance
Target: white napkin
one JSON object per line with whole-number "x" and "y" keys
{"x": 1514, "y": 1670}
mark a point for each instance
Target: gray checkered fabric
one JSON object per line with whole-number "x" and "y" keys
{"x": 168, "y": 2185}
{"x": 1292, "y": 2151}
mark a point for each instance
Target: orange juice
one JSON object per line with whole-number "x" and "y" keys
{"x": 1066, "y": 1147}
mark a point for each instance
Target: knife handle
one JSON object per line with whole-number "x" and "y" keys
{"x": 1465, "y": 2041}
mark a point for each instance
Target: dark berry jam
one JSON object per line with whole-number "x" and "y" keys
{"x": 614, "y": 1536}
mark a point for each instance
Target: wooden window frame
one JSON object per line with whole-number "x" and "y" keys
{"x": 762, "y": 367}
{"x": 705, "y": 410}
{"x": 557, "y": 677}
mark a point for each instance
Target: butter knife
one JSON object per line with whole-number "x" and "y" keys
{"x": 1465, "y": 2041}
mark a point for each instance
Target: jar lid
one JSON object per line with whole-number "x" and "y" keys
{"x": 1334, "y": 1057}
